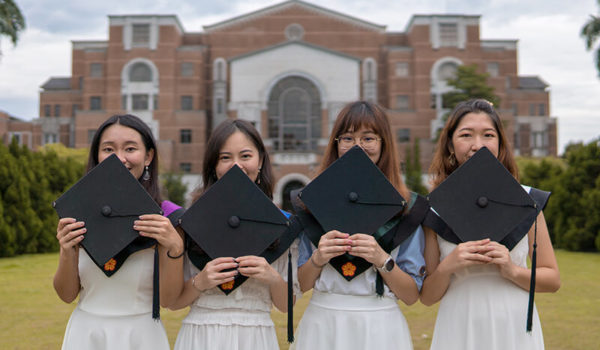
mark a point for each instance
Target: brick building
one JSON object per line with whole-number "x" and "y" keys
{"x": 288, "y": 68}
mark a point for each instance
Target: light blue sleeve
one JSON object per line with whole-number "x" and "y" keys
{"x": 410, "y": 256}
{"x": 304, "y": 250}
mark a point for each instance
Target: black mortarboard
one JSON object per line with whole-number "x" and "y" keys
{"x": 235, "y": 218}
{"x": 352, "y": 196}
{"x": 481, "y": 199}
{"x": 109, "y": 199}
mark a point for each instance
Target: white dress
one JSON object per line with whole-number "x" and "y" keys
{"x": 115, "y": 312}
{"x": 240, "y": 320}
{"x": 483, "y": 310}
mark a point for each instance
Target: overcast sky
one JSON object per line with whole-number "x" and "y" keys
{"x": 547, "y": 31}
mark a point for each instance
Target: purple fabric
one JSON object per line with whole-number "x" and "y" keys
{"x": 168, "y": 207}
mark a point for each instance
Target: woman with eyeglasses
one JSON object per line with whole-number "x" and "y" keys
{"x": 350, "y": 314}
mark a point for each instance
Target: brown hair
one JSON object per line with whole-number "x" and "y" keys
{"x": 444, "y": 162}
{"x": 131, "y": 121}
{"x": 216, "y": 141}
{"x": 366, "y": 114}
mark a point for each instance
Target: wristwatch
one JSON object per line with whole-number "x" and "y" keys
{"x": 388, "y": 265}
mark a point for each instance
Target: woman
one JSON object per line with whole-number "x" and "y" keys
{"x": 349, "y": 314}
{"x": 240, "y": 320}
{"x": 482, "y": 285}
{"x": 115, "y": 312}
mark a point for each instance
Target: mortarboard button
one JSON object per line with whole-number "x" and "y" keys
{"x": 353, "y": 197}
{"x": 234, "y": 221}
{"x": 106, "y": 210}
{"x": 482, "y": 202}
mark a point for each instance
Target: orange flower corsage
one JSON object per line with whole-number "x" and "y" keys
{"x": 110, "y": 265}
{"x": 228, "y": 285}
{"x": 348, "y": 269}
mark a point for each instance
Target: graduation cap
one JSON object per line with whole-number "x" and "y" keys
{"x": 352, "y": 196}
{"x": 481, "y": 199}
{"x": 235, "y": 218}
{"x": 109, "y": 199}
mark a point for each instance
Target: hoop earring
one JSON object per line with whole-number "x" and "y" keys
{"x": 146, "y": 175}
{"x": 258, "y": 177}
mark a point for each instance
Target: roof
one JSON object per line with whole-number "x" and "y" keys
{"x": 290, "y": 3}
{"x": 55, "y": 83}
{"x": 295, "y": 42}
{"x": 532, "y": 82}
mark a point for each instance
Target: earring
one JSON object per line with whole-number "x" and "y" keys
{"x": 146, "y": 175}
{"x": 258, "y": 177}
{"x": 452, "y": 159}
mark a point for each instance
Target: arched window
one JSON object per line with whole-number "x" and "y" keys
{"x": 220, "y": 69}
{"x": 447, "y": 71}
{"x": 286, "y": 203}
{"x": 140, "y": 72}
{"x": 294, "y": 115}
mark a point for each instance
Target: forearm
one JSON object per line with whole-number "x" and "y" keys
{"x": 170, "y": 275}
{"x": 188, "y": 294}
{"x": 279, "y": 295}
{"x": 308, "y": 275}
{"x": 546, "y": 279}
{"x": 402, "y": 285}
{"x": 435, "y": 285}
{"x": 66, "y": 279}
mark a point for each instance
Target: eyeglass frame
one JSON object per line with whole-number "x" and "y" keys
{"x": 360, "y": 141}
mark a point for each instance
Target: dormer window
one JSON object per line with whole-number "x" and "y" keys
{"x": 448, "y": 34}
{"x": 140, "y": 35}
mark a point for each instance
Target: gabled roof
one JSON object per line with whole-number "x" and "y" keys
{"x": 57, "y": 84}
{"x": 295, "y": 42}
{"x": 291, "y": 3}
{"x": 532, "y": 82}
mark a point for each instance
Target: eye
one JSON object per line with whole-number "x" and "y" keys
{"x": 224, "y": 157}
{"x": 107, "y": 150}
{"x": 368, "y": 138}
{"x": 346, "y": 139}
{"x": 130, "y": 149}
{"x": 246, "y": 155}
{"x": 490, "y": 134}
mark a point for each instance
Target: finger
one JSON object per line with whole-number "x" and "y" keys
{"x": 65, "y": 221}
{"x": 72, "y": 227}
{"x": 154, "y": 217}
{"x": 361, "y": 236}
{"x": 478, "y": 257}
{"x": 337, "y": 250}
{"x": 335, "y": 234}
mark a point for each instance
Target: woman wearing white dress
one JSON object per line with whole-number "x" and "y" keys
{"x": 483, "y": 287}
{"x": 241, "y": 319}
{"x": 116, "y": 312}
{"x": 350, "y": 314}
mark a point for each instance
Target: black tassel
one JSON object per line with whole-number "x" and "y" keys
{"x": 379, "y": 285}
{"x": 155, "y": 288}
{"x": 290, "y": 304}
{"x": 532, "y": 282}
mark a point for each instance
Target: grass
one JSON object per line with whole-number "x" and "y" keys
{"x": 32, "y": 316}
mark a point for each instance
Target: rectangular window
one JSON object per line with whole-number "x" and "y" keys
{"x": 187, "y": 103}
{"x": 542, "y": 109}
{"x": 95, "y": 103}
{"x": 96, "y": 70}
{"x": 91, "y": 133}
{"x": 139, "y": 102}
{"x": 403, "y": 135}
{"x": 185, "y": 135}
{"x": 74, "y": 109}
{"x": 532, "y": 109}
{"x": 124, "y": 102}
{"x": 187, "y": 69}
{"x": 185, "y": 168}
{"x": 493, "y": 69}
{"x": 220, "y": 108}
{"x": 16, "y": 136}
{"x": 515, "y": 109}
{"x": 47, "y": 110}
{"x": 448, "y": 34}
{"x": 50, "y": 138}
{"x": 538, "y": 140}
{"x": 57, "y": 110}
{"x": 140, "y": 35}
{"x": 402, "y": 102}
{"x": 402, "y": 69}
{"x": 80, "y": 80}
{"x": 155, "y": 102}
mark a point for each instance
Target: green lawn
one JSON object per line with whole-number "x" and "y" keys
{"x": 32, "y": 316}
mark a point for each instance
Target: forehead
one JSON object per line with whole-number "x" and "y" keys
{"x": 118, "y": 132}
{"x": 238, "y": 140}
{"x": 476, "y": 120}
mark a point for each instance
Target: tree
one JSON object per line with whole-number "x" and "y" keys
{"x": 174, "y": 187}
{"x": 12, "y": 21}
{"x": 412, "y": 169}
{"x": 469, "y": 84}
{"x": 591, "y": 33}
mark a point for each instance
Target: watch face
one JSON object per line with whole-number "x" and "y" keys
{"x": 389, "y": 264}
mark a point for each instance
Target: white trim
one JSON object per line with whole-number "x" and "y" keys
{"x": 284, "y": 180}
{"x": 294, "y": 73}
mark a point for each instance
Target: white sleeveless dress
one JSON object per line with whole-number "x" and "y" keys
{"x": 115, "y": 312}
{"x": 483, "y": 310}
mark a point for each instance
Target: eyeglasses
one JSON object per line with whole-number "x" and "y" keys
{"x": 366, "y": 141}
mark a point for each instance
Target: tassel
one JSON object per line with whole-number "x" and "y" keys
{"x": 379, "y": 285}
{"x": 290, "y": 305}
{"x": 532, "y": 282}
{"x": 155, "y": 288}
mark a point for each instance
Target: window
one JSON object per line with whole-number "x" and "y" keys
{"x": 155, "y": 102}
{"x": 402, "y": 102}
{"x": 185, "y": 167}
{"x": 448, "y": 34}
{"x": 96, "y": 70}
{"x": 187, "y": 103}
{"x": 542, "y": 109}
{"x": 57, "y": 110}
{"x": 47, "y": 110}
{"x": 493, "y": 69}
{"x": 74, "y": 109}
{"x": 532, "y": 109}
{"x": 124, "y": 102}
{"x": 220, "y": 108}
{"x": 140, "y": 72}
{"x": 50, "y": 138}
{"x": 95, "y": 103}
{"x": 538, "y": 140}
{"x": 91, "y": 133}
{"x": 447, "y": 71}
{"x": 187, "y": 69}
{"x": 185, "y": 135}
{"x": 294, "y": 112}
{"x": 16, "y": 136}
{"x": 80, "y": 80}
{"x": 403, "y": 135}
{"x": 140, "y": 35}
{"x": 515, "y": 109}
{"x": 139, "y": 102}
{"x": 402, "y": 69}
